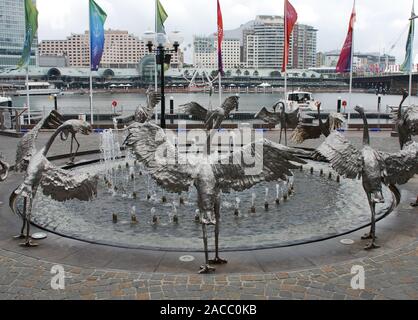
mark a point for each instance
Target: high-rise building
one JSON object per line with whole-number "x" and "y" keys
{"x": 206, "y": 52}
{"x": 264, "y": 44}
{"x": 121, "y": 50}
{"x": 12, "y": 33}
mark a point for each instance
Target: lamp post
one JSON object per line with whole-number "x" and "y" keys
{"x": 163, "y": 56}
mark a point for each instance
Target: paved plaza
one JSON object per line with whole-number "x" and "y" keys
{"x": 313, "y": 271}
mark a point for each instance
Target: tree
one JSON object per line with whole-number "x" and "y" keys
{"x": 238, "y": 72}
{"x": 214, "y": 73}
{"x": 255, "y": 73}
{"x": 246, "y": 73}
{"x": 228, "y": 73}
{"x": 275, "y": 74}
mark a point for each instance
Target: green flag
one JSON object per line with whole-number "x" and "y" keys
{"x": 408, "y": 63}
{"x": 161, "y": 17}
{"x": 31, "y": 18}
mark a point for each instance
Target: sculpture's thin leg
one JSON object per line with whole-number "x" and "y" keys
{"x": 28, "y": 242}
{"x": 369, "y": 235}
{"x": 285, "y": 136}
{"x": 206, "y": 268}
{"x": 22, "y": 231}
{"x": 372, "y": 236}
{"x": 217, "y": 209}
{"x": 281, "y": 130}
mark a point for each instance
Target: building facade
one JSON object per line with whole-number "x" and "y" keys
{"x": 264, "y": 44}
{"x": 206, "y": 52}
{"x": 122, "y": 50}
{"x": 12, "y": 33}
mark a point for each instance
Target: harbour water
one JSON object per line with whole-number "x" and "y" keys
{"x": 128, "y": 102}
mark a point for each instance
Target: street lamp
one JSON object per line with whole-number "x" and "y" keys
{"x": 163, "y": 56}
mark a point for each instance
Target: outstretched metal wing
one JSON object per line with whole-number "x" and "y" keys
{"x": 292, "y": 119}
{"x": 402, "y": 166}
{"x": 346, "y": 159}
{"x": 335, "y": 121}
{"x": 4, "y": 169}
{"x": 151, "y": 147}
{"x": 268, "y": 117}
{"x": 64, "y": 185}
{"x": 144, "y": 114}
{"x": 26, "y": 147}
{"x": 410, "y": 118}
{"x": 259, "y": 161}
{"x": 193, "y": 109}
{"x": 230, "y": 104}
{"x": 306, "y": 131}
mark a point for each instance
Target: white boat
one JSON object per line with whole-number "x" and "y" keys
{"x": 4, "y": 101}
{"x": 302, "y": 100}
{"x": 39, "y": 89}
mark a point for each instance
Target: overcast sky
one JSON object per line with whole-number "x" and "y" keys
{"x": 380, "y": 23}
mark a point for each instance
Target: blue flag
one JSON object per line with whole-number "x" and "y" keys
{"x": 407, "y": 65}
{"x": 97, "y": 36}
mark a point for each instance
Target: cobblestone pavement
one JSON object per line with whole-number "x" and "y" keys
{"x": 393, "y": 275}
{"x": 390, "y": 276}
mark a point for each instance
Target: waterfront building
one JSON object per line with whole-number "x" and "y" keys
{"x": 206, "y": 52}
{"x": 12, "y": 33}
{"x": 122, "y": 50}
{"x": 263, "y": 44}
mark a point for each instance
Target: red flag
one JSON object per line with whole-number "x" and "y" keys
{"x": 291, "y": 16}
{"x": 220, "y": 39}
{"x": 344, "y": 62}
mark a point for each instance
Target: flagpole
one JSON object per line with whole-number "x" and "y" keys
{"x": 351, "y": 71}
{"x": 27, "y": 93}
{"x": 411, "y": 67}
{"x": 285, "y": 56}
{"x": 220, "y": 88}
{"x": 156, "y": 30}
{"x": 91, "y": 74}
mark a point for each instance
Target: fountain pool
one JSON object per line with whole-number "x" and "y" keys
{"x": 129, "y": 211}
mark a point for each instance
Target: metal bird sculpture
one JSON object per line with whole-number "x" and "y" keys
{"x": 60, "y": 184}
{"x": 208, "y": 174}
{"x": 26, "y": 147}
{"x": 406, "y": 121}
{"x": 4, "y": 169}
{"x": 72, "y": 127}
{"x": 213, "y": 119}
{"x": 373, "y": 167}
{"x": 144, "y": 113}
{"x": 285, "y": 119}
{"x": 305, "y": 131}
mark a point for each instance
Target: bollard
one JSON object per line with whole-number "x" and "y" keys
{"x": 321, "y": 173}
{"x": 134, "y": 195}
{"x": 278, "y": 201}
{"x": 134, "y": 220}
{"x": 312, "y": 170}
{"x": 164, "y": 199}
{"x": 181, "y": 200}
{"x": 266, "y": 206}
{"x": 253, "y": 209}
{"x": 338, "y": 179}
{"x": 171, "y": 110}
{"x": 379, "y": 101}
{"x": 330, "y": 176}
{"x": 55, "y": 102}
{"x": 115, "y": 218}
{"x": 339, "y": 104}
{"x": 175, "y": 219}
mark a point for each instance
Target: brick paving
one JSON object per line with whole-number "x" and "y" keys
{"x": 391, "y": 275}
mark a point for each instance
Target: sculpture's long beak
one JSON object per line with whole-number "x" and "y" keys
{"x": 13, "y": 202}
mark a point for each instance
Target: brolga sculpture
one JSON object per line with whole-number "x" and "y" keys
{"x": 213, "y": 119}
{"x": 373, "y": 167}
{"x": 176, "y": 172}
{"x": 306, "y": 131}
{"x": 4, "y": 169}
{"x": 285, "y": 119}
{"x": 406, "y": 121}
{"x": 26, "y": 147}
{"x": 72, "y": 127}
{"x": 60, "y": 184}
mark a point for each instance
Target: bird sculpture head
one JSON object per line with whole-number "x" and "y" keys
{"x": 85, "y": 128}
{"x": 405, "y": 93}
{"x": 359, "y": 109}
{"x": 318, "y": 104}
{"x": 233, "y": 102}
